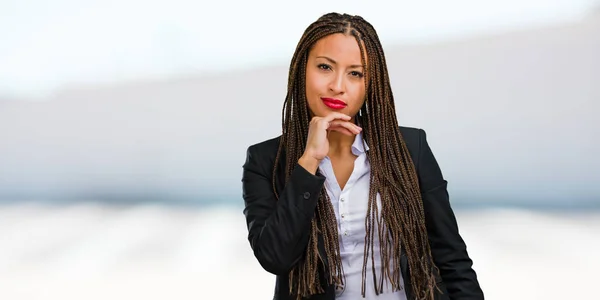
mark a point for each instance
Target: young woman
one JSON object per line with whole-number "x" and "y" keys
{"x": 346, "y": 203}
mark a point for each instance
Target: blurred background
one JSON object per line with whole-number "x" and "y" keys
{"x": 124, "y": 126}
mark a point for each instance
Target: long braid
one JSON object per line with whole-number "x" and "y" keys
{"x": 410, "y": 224}
{"x": 399, "y": 217}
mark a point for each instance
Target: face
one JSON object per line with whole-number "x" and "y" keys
{"x": 335, "y": 76}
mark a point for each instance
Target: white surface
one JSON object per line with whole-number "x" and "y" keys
{"x": 150, "y": 252}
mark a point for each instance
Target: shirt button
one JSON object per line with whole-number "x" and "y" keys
{"x": 306, "y": 195}
{"x": 342, "y": 199}
{"x": 345, "y": 232}
{"x": 343, "y": 216}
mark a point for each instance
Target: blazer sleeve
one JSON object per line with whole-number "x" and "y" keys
{"x": 278, "y": 230}
{"x": 447, "y": 246}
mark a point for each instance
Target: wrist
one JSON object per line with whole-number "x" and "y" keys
{"x": 309, "y": 163}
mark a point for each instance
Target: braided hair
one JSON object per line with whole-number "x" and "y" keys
{"x": 393, "y": 176}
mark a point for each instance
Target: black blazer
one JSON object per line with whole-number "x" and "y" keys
{"x": 278, "y": 230}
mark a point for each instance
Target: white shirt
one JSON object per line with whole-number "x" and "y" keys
{"x": 350, "y": 206}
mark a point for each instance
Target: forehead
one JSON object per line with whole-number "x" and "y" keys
{"x": 339, "y": 47}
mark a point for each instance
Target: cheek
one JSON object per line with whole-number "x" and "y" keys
{"x": 312, "y": 91}
{"x": 316, "y": 86}
{"x": 358, "y": 94}
{"x": 313, "y": 83}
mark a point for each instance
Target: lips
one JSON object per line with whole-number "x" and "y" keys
{"x": 334, "y": 103}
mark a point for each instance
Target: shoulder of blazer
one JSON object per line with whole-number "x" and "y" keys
{"x": 263, "y": 153}
{"x": 267, "y": 147}
{"x": 413, "y": 139}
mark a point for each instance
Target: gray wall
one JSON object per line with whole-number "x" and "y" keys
{"x": 512, "y": 118}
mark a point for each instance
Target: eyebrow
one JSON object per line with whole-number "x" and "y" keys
{"x": 334, "y": 62}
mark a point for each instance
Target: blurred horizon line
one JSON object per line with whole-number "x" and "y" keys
{"x": 581, "y": 204}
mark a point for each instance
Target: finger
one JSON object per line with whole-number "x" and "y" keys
{"x": 342, "y": 130}
{"x": 342, "y": 118}
{"x": 349, "y": 129}
{"x": 348, "y": 125}
{"x": 336, "y": 115}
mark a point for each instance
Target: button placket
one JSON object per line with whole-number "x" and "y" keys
{"x": 343, "y": 211}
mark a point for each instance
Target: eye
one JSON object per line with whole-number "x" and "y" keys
{"x": 324, "y": 67}
{"x": 356, "y": 74}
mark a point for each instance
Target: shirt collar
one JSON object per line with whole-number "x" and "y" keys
{"x": 357, "y": 146}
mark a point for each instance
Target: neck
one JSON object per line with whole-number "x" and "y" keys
{"x": 339, "y": 143}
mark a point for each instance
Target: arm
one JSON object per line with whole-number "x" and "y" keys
{"x": 447, "y": 247}
{"x": 278, "y": 230}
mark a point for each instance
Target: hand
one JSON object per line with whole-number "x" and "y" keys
{"x": 317, "y": 144}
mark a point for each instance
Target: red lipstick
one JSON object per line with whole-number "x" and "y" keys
{"x": 334, "y": 103}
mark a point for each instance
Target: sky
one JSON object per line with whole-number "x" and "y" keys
{"x": 48, "y": 45}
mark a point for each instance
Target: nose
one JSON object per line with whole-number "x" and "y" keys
{"x": 336, "y": 85}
